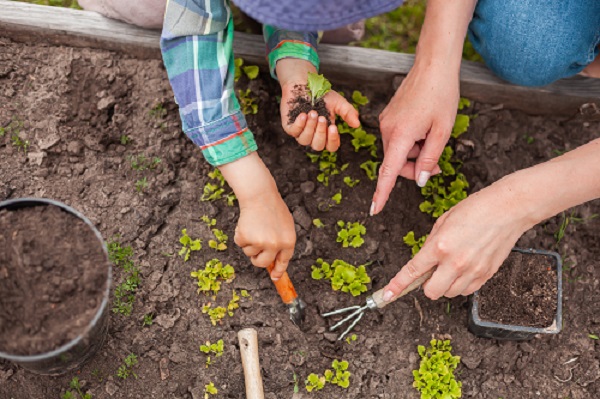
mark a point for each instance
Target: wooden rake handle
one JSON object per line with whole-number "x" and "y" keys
{"x": 248, "y": 339}
{"x": 284, "y": 286}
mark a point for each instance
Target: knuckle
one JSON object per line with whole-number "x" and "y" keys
{"x": 427, "y": 162}
{"x": 412, "y": 271}
{"x": 442, "y": 247}
{"x": 386, "y": 170}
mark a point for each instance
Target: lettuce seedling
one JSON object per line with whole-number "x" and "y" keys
{"x": 362, "y": 139}
{"x": 245, "y": 294}
{"x": 339, "y": 376}
{"x": 141, "y": 163}
{"x": 214, "y": 190}
{"x": 318, "y": 224}
{"x": 318, "y": 86}
{"x": 233, "y": 304}
{"x": 327, "y": 165}
{"x": 126, "y": 369}
{"x": 461, "y": 124}
{"x": 435, "y": 377}
{"x": 337, "y": 197}
{"x": 351, "y": 338}
{"x": 463, "y": 102}
{"x": 314, "y": 382}
{"x": 216, "y": 349}
{"x": 210, "y": 389}
{"x": 414, "y": 244}
{"x": 350, "y": 182}
{"x": 350, "y": 234}
{"x": 213, "y": 274}
{"x": 370, "y": 168}
{"x": 209, "y": 221}
{"x": 215, "y": 314}
{"x": 445, "y": 162}
{"x": 358, "y": 99}
{"x": 248, "y": 103}
{"x": 251, "y": 71}
{"x": 443, "y": 197}
{"x": 220, "y": 244}
{"x": 74, "y": 384}
{"x": 188, "y": 245}
{"x": 344, "y": 276}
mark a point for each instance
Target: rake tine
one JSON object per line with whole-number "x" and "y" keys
{"x": 334, "y": 312}
{"x": 351, "y": 326}
{"x": 347, "y": 318}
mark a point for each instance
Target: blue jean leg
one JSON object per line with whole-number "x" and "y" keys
{"x": 536, "y": 42}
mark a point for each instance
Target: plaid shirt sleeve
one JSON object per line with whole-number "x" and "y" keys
{"x": 287, "y": 44}
{"x": 197, "y": 48}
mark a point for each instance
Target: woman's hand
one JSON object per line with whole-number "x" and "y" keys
{"x": 265, "y": 229}
{"x": 467, "y": 244}
{"x": 312, "y": 129}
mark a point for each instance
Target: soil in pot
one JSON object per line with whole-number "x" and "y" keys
{"x": 301, "y": 103}
{"x": 523, "y": 292}
{"x": 51, "y": 279}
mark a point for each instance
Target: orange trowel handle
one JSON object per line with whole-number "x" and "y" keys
{"x": 284, "y": 286}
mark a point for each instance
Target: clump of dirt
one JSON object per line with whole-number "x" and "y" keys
{"x": 523, "y": 292}
{"x": 51, "y": 279}
{"x": 301, "y": 103}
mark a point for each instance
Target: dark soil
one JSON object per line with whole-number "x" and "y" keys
{"x": 52, "y": 279}
{"x": 75, "y": 104}
{"x": 523, "y": 292}
{"x": 301, "y": 103}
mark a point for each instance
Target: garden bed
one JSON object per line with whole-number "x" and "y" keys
{"x": 87, "y": 113}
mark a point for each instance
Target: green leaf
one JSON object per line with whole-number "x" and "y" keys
{"x": 359, "y": 99}
{"x": 370, "y": 168}
{"x": 251, "y": 71}
{"x": 464, "y": 102}
{"x": 318, "y": 223}
{"x": 318, "y": 86}
{"x": 593, "y": 336}
{"x": 461, "y": 124}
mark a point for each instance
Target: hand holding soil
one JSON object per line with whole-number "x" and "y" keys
{"x": 311, "y": 125}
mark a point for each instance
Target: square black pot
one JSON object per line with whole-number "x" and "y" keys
{"x": 509, "y": 332}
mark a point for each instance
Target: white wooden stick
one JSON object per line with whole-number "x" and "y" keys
{"x": 248, "y": 339}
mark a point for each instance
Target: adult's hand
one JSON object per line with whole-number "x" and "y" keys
{"x": 467, "y": 244}
{"x": 311, "y": 129}
{"x": 416, "y": 124}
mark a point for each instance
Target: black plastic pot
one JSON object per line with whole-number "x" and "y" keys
{"x": 75, "y": 353}
{"x": 508, "y": 332}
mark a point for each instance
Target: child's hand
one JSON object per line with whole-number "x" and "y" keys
{"x": 265, "y": 229}
{"x": 312, "y": 129}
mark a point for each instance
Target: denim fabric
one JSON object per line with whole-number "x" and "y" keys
{"x": 536, "y": 42}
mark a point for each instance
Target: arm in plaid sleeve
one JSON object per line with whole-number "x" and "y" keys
{"x": 287, "y": 44}
{"x": 197, "y": 49}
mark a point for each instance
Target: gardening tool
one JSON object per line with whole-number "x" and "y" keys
{"x": 248, "y": 339}
{"x": 288, "y": 295}
{"x": 375, "y": 301}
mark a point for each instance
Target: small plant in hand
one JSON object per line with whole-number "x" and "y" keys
{"x": 327, "y": 162}
{"x": 310, "y": 97}
{"x": 350, "y": 234}
{"x": 214, "y": 190}
{"x": 339, "y": 376}
{"x": 211, "y": 277}
{"x": 215, "y": 349}
{"x": 343, "y": 276}
{"x": 126, "y": 369}
{"x": 435, "y": 377}
{"x": 76, "y": 391}
{"x": 188, "y": 245}
{"x": 414, "y": 243}
{"x": 210, "y": 389}
{"x": 122, "y": 257}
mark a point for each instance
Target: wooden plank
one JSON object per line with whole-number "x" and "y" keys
{"x": 27, "y": 23}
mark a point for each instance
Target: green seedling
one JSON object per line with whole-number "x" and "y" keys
{"x": 343, "y": 276}
{"x": 141, "y": 185}
{"x": 233, "y": 304}
{"x": 122, "y": 257}
{"x": 318, "y": 224}
{"x": 245, "y": 294}
{"x": 362, "y": 139}
{"x": 350, "y": 234}
{"x": 296, "y": 382}
{"x": 188, "y": 245}
{"x": 327, "y": 162}
{"x": 350, "y": 182}
{"x": 125, "y": 139}
{"x": 211, "y": 277}
{"x": 370, "y": 168}
{"x": 220, "y": 244}
{"x": 594, "y": 337}
{"x": 248, "y": 102}
{"x": 358, "y": 99}
{"x": 96, "y": 374}
{"x": 210, "y": 389}
{"x": 251, "y": 71}
{"x": 216, "y": 349}
{"x": 158, "y": 111}
{"x": 463, "y": 103}
{"x": 126, "y": 369}
{"x": 443, "y": 198}
{"x": 461, "y": 124}
{"x": 148, "y": 320}
{"x": 445, "y": 162}
{"x": 414, "y": 244}
{"x": 318, "y": 86}
{"x": 215, "y": 314}
{"x": 570, "y": 219}
{"x": 337, "y": 197}
{"x": 209, "y": 221}
{"x": 141, "y": 162}
{"x": 528, "y": 139}
{"x": 18, "y": 142}
{"x": 76, "y": 387}
{"x": 314, "y": 382}
{"x": 351, "y": 338}
{"x": 435, "y": 377}
{"x": 215, "y": 189}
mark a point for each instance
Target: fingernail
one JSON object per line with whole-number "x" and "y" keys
{"x": 372, "y": 210}
{"x": 388, "y": 295}
{"x": 275, "y": 278}
{"x": 313, "y": 114}
{"x": 423, "y": 177}
{"x": 322, "y": 119}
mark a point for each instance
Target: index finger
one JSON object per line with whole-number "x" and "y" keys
{"x": 394, "y": 160}
{"x": 415, "y": 268}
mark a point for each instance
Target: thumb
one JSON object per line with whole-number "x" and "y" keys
{"x": 341, "y": 107}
